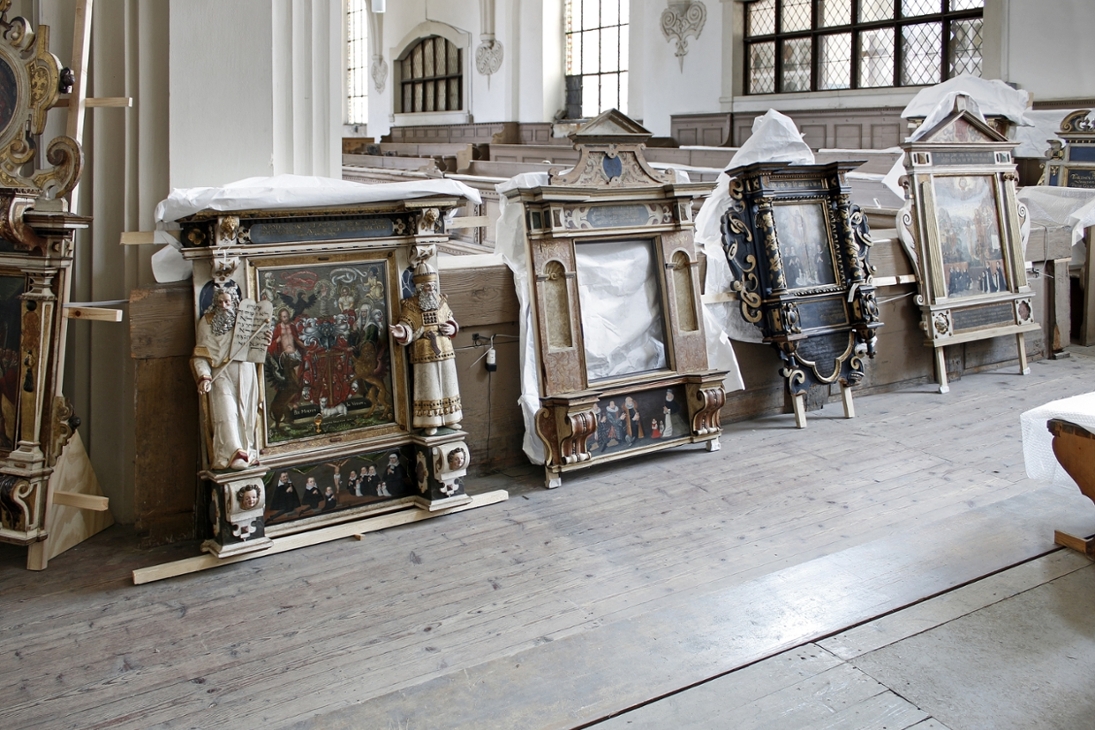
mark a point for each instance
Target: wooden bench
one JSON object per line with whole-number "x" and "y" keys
{"x": 1074, "y": 447}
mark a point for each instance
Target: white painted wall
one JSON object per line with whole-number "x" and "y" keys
{"x": 1047, "y": 47}
{"x": 256, "y": 89}
{"x": 659, "y": 87}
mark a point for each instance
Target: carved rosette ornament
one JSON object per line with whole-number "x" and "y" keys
{"x": 681, "y": 20}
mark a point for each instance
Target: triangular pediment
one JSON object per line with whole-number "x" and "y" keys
{"x": 962, "y": 125}
{"x": 611, "y": 127}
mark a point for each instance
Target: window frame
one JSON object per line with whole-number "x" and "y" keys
{"x": 405, "y": 81}
{"x": 575, "y": 9}
{"x": 348, "y": 69}
{"x": 944, "y": 17}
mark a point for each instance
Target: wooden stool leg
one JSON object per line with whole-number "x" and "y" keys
{"x": 846, "y": 399}
{"x": 798, "y": 400}
{"x": 941, "y": 370}
{"x": 1024, "y": 368}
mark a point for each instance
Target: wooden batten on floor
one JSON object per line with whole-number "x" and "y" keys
{"x": 356, "y": 529}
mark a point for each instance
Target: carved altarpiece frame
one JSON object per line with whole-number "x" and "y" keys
{"x": 798, "y": 250}
{"x": 350, "y": 415}
{"x": 1073, "y": 164}
{"x": 965, "y": 220}
{"x": 36, "y": 255}
{"x": 613, "y": 199}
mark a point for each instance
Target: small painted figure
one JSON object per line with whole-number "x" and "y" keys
{"x": 330, "y": 499}
{"x": 369, "y": 483}
{"x": 394, "y": 474}
{"x": 285, "y": 498}
{"x": 312, "y": 496}
{"x": 632, "y": 421}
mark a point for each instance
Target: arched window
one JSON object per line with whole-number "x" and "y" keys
{"x": 432, "y": 77}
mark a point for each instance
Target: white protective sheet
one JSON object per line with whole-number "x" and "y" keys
{"x": 300, "y": 191}
{"x": 1038, "y": 455}
{"x": 993, "y": 97}
{"x": 943, "y": 110}
{"x": 1034, "y": 140}
{"x": 1073, "y": 207}
{"x": 622, "y": 324}
{"x": 510, "y": 243}
{"x": 273, "y": 193}
{"x": 775, "y": 138}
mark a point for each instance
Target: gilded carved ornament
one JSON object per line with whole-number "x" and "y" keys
{"x": 30, "y": 82}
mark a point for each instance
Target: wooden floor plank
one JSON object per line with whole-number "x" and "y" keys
{"x": 324, "y": 628}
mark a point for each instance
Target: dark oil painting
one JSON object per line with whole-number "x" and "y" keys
{"x": 328, "y": 366}
{"x": 8, "y": 95}
{"x": 11, "y": 309}
{"x": 325, "y": 487}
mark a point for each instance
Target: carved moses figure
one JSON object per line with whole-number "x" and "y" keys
{"x": 229, "y": 386}
{"x": 426, "y": 325}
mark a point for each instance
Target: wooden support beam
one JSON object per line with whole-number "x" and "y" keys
{"x": 82, "y": 501}
{"x": 96, "y": 314}
{"x": 137, "y": 238}
{"x": 315, "y": 537}
{"x": 110, "y": 101}
{"x": 470, "y": 221}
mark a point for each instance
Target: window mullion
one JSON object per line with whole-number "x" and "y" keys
{"x": 855, "y": 46}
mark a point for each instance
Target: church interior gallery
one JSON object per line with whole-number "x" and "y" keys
{"x": 547, "y": 363}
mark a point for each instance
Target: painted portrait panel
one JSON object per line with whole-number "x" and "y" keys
{"x": 969, "y": 235}
{"x": 328, "y": 365}
{"x": 619, "y": 290}
{"x": 802, "y": 231}
{"x": 322, "y": 488}
{"x": 11, "y": 308}
{"x": 632, "y": 420}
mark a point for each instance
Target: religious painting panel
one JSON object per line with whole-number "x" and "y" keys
{"x": 805, "y": 246}
{"x": 623, "y": 323}
{"x": 314, "y": 491}
{"x": 635, "y": 419}
{"x": 328, "y": 367}
{"x": 969, "y": 235}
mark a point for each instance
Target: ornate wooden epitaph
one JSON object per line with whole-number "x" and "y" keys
{"x": 798, "y": 251}
{"x": 965, "y": 220}
{"x": 36, "y": 253}
{"x": 324, "y": 367}
{"x": 615, "y": 297}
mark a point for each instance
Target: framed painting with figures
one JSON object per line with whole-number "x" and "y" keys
{"x": 329, "y": 363}
{"x": 966, "y": 225}
{"x": 304, "y": 388}
{"x": 798, "y": 251}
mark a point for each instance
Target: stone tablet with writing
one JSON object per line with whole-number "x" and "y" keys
{"x": 249, "y": 338}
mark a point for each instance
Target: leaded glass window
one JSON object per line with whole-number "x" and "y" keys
{"x": 596, "y": 52}
{"x": 811, "y": 45}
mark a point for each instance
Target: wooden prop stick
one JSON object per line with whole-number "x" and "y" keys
{"x": 315, "y": 537}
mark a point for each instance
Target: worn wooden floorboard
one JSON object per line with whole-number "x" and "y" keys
{"x": 298, "y": 634}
